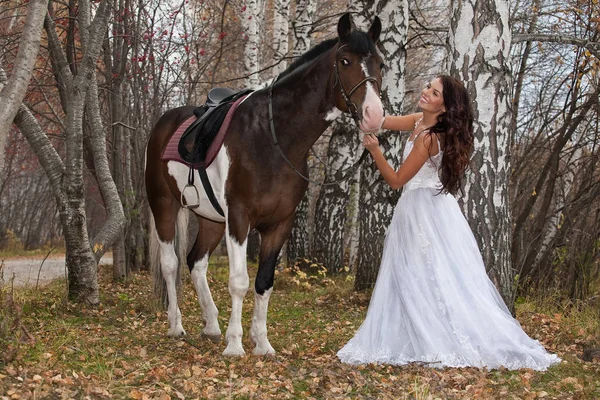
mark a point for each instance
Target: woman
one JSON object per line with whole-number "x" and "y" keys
{"x": 433, "y": 302}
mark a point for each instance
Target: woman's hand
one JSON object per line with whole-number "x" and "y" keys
{"x": 370, "y": 142}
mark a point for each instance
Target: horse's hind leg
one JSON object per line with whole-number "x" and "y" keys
{"x": 169, "y": 264}
{"x": 271, "y": 241}
{"x": 209, "y": 236}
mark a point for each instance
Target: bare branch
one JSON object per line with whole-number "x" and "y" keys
{"x": 592, "y": 47}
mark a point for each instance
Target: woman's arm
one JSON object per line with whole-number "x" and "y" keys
{"x": 423, "y": 148}
{"x": 401, "y": 122}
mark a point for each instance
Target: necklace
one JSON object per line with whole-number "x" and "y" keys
{"x": 417, "y": 135}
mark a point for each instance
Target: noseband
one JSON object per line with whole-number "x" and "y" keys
{"x": 352, "y": 108}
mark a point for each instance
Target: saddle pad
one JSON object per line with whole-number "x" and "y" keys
{"x": 171, "y": 152}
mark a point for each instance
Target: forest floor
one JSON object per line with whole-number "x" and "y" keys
{"x": 52, "y": 348}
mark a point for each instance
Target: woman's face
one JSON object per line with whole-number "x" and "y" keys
{"x": 432, "y": 98}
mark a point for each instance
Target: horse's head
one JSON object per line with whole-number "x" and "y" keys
{"x": 358, "y": 74}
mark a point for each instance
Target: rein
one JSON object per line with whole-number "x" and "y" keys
{"x": 348, "y": 172}
{"x": 352, "y": 108}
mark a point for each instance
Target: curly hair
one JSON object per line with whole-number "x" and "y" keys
{"x": 454, "y": 128}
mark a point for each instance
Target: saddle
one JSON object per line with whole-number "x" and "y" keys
{"x": 197, "y": 138}
{"x": 199, "y": 135}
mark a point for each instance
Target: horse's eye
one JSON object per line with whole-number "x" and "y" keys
{"x": 344, "y": 62}
{"x": 381, "y": 66}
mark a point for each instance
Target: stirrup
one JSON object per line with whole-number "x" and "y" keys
{"x": 182, "y": 198}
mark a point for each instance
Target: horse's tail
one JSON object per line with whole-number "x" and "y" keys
{"x": 181, "y": 243}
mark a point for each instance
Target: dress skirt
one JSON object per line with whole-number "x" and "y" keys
{"x": 433, "y": 302}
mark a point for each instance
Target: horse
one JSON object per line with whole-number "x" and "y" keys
{"x": 258, "y": 176}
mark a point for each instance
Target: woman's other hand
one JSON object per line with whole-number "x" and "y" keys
{"x": 370, "y": 142}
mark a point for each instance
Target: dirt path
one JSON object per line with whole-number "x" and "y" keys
{"x": 25, "y": 270}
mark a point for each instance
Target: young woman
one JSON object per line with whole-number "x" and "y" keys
{"x": 433, "y": 302}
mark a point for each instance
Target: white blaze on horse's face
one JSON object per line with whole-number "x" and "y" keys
{"x": 372, "y": 108}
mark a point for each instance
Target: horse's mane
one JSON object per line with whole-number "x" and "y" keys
{"x": 310, "y": 55}
{"x": 359, "y": 42}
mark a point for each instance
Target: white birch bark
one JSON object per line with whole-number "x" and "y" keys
{"x": 331, "y": 209}
{"x": 251, "y": 22}
{"x": 280, "y": 35}
{"x": 298, "y": 243}
{"x": 480, "y": 39}
{"x": 377, "y": 199}
{"x": 302, "y": 26}
{"x": 15, "y": 87}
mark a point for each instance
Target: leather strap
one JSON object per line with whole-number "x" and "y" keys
{"x": 209, "y": 191}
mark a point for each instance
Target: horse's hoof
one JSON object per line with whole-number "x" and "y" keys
{"x": 178, "y": 332}
{"x": 215, "y": 338}
{"x": 232, "y": 351}
{"x": 263, "y": 350}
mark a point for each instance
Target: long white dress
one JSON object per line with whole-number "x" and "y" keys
{"x": 433, "y": 302}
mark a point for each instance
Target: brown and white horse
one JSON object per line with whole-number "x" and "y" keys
{"x": 253, "y": 183}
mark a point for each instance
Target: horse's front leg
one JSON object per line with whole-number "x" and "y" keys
{"x": 236, "y": 235}
{"x": 272, "y": 240}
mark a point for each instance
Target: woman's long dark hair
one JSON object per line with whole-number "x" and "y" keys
{"x": 455, "y": 131}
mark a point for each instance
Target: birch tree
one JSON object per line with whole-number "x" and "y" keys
{"x": 332, "y": 204}
{"x": 331, "y": 214}
{"x": 298, "y": 243}
{"x": 377, "y": 199}
{"x": 280, "y": 35}
{"x": 14, "y": 88}
{"x": 302, "y": 26}
{"x": 251, "y": 18}
{"x": 66, "y": 176}
{"x": 480, "y": 40}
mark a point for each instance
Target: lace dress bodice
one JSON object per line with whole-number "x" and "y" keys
{"x": 428, "y": 175}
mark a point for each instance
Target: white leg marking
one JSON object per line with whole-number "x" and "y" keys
{"x": 258, "y": 331}
{"x": 238, "y": 287}
{"x": 169, "y": 266}
{"x": 209, "y": 309}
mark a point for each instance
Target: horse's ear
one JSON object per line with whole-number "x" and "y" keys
{"x": 375, "y": 30}
{"x": 345, "y": 26}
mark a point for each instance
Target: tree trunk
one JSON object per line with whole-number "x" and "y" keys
{"x": 280, "y": 35}
{"x": 377, "y": 199}
{"x": 297, "y": 245}
{"x": 13, "y": 90}
{"x": 251, "y": 23}
{"x": 298, "y": 242}
{"x": 118, "y": 171}
{"x": 80, "y": 261}
{"x": 302, "y": 26}
{"x": 331, "y": 211}
{"x": 67, "y": 178}
{"x": 480, "y": 39}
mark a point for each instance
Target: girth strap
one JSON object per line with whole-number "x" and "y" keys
{"x": 209, "y": 191}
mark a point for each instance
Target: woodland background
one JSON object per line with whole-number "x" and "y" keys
{"x": 84, "y": 83}
{"x": 73, "y": 162}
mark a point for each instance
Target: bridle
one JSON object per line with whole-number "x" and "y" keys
{"x": 352, "y": 108}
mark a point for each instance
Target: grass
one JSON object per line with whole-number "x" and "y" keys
{"x": 120, "y": 349}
